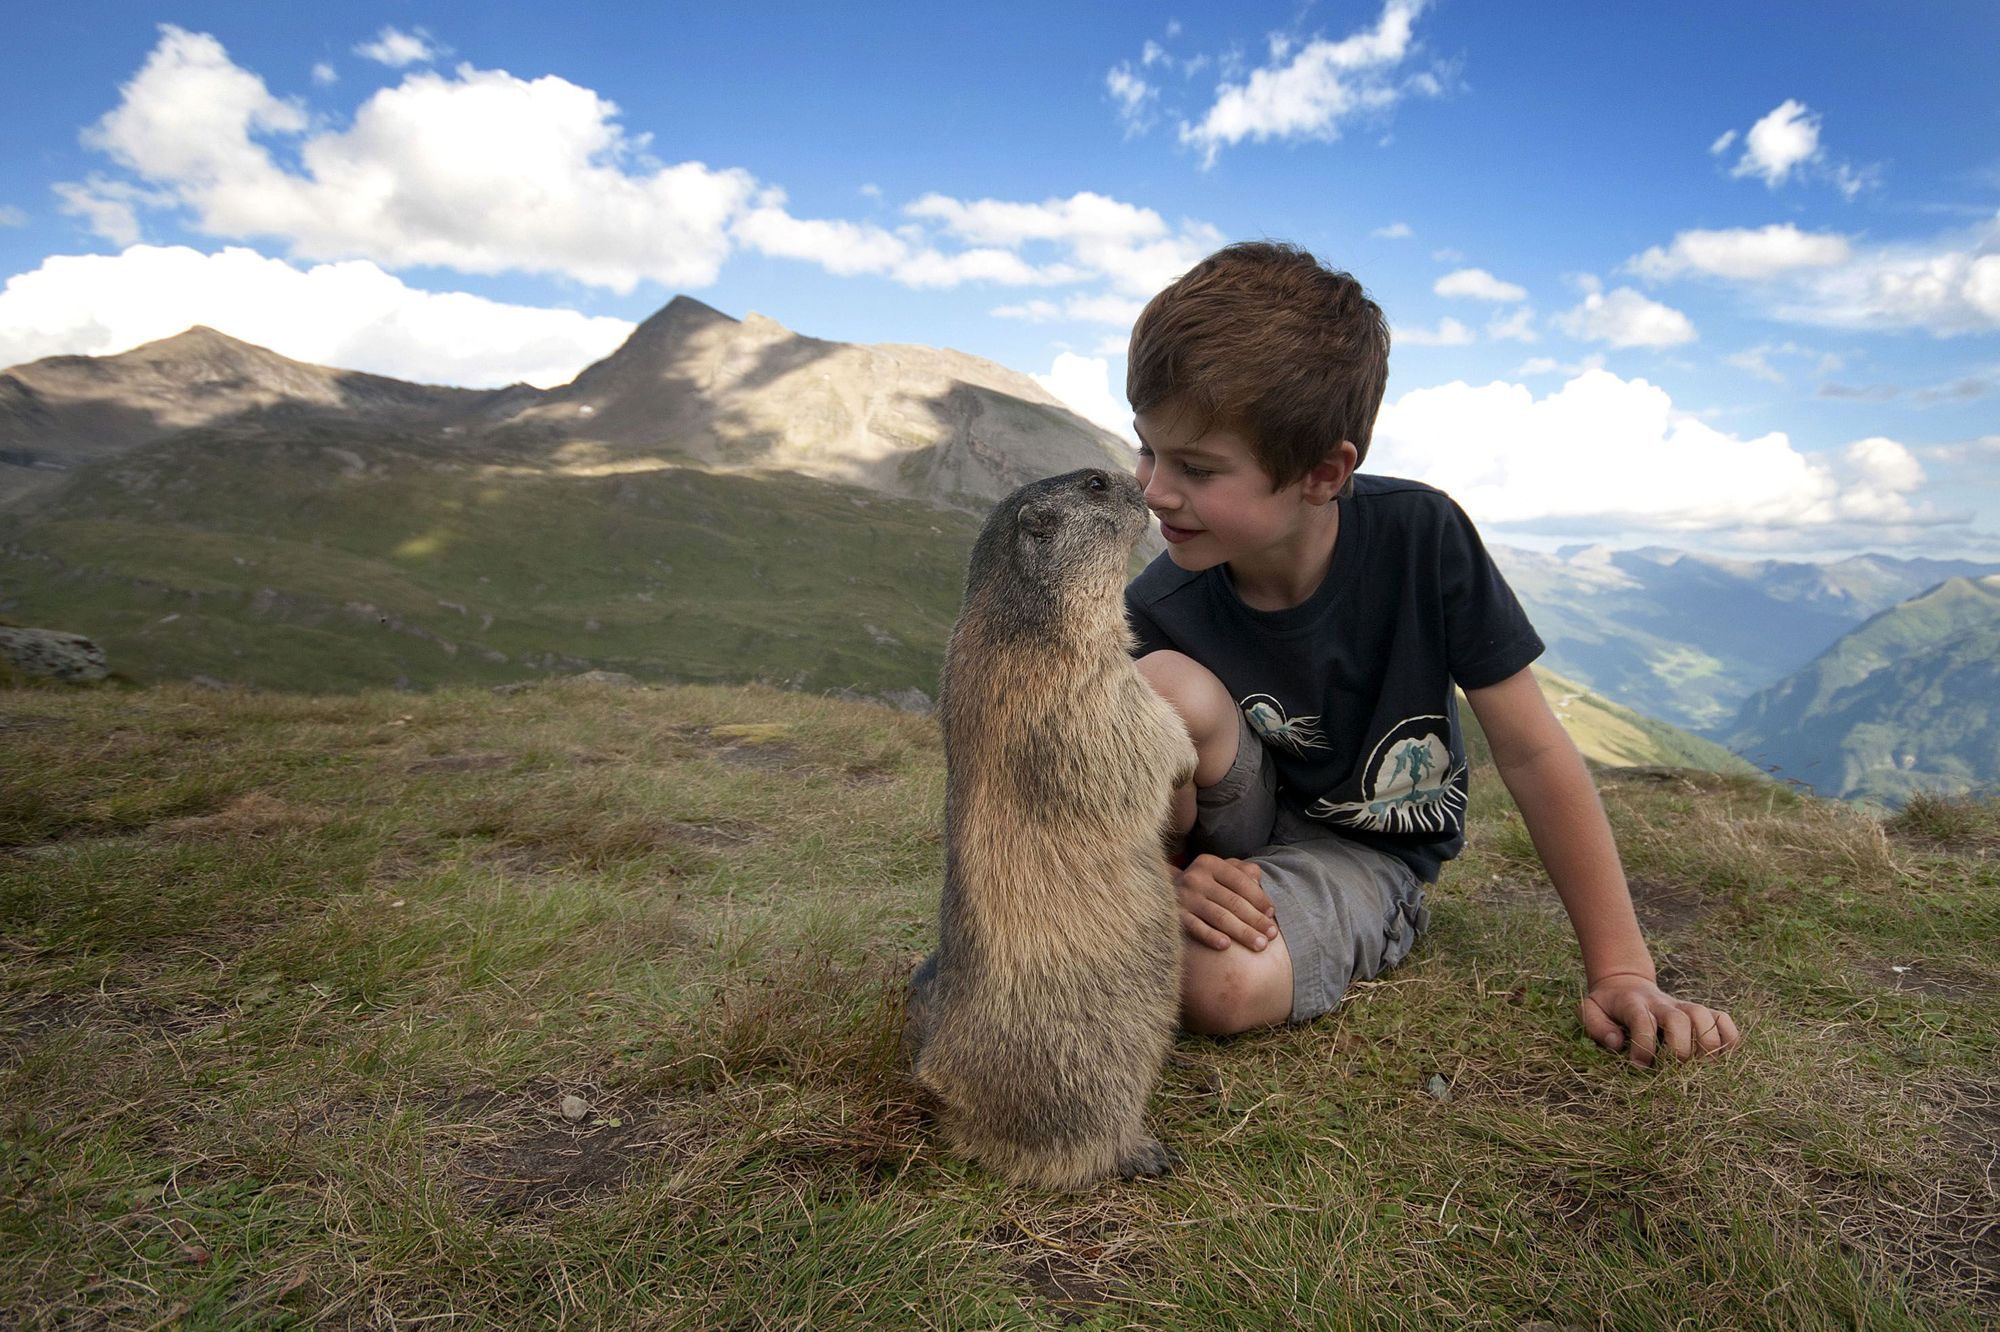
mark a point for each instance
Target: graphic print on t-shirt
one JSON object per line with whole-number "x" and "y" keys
{"x": 1267, "y": 718}
{"x": 1409, "y": 784}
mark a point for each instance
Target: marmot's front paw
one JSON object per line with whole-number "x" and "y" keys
{"x": 1146, "y": 1159}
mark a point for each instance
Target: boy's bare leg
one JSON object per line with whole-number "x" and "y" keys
{"x": 1242, "y": 977}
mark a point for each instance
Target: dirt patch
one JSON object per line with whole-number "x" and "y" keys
{"x": 518, "y": 1153}
{"x": 252, "y": 815}
{"x": 460, "y": 763}
{"x": 1943, "y": 982}
{"x": 1665, "y": 907}
{"x": 749, "y": 745}
{"x": 1075, "y": 1262}
{"x": 49, "y": 1015}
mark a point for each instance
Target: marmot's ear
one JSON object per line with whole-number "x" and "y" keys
{"x": 1039, "y": 520}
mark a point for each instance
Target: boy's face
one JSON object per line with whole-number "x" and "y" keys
{"x": 1213, "y": 498}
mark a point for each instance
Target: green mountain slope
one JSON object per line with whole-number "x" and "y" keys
{"x": 1909, "y": 701}
{"x": 326, "y": 560}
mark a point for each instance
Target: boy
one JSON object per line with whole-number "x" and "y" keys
{"x": 1308, "y": 625}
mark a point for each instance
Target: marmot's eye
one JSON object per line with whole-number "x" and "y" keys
{"x": 1096, "y": 482}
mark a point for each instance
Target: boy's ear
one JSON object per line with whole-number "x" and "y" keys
{"x": 1329, "y": 478}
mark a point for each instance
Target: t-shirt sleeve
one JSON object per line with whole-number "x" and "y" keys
{"x": 1488, "y": 636}
{"x": 1147, "y": 635}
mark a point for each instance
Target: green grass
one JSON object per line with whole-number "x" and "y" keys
{"x": 291, "y": 987}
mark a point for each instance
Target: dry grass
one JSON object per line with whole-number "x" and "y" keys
{"x": 292, "y": 990}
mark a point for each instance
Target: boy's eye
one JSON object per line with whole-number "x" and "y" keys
{"x": 1196, "y": 472}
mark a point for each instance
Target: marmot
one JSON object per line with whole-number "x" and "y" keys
{"x": 1042, "y": 1020}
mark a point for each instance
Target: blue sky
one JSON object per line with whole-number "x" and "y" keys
{"x": 1674, "y": 274}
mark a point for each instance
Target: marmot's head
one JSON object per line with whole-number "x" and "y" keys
{"x": 1058, "y": 537}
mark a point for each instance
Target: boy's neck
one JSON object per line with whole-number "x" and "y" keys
{"x": 1295, "y": 571}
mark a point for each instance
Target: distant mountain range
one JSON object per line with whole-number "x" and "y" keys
{"x": 1908, "y": 701}
{"x": 1689, "y": 638}
{"x": 690, "y": 386}
{"x": 718, "y": 500}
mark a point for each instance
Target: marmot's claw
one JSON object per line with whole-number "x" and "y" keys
{"x": 1147, "y": 1159}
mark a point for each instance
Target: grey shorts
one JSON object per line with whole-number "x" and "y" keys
{"x": 1347, "y": 912}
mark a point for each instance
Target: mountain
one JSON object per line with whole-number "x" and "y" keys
{"x": 718, "y": 500}
{"x": 691, "y": 386}
{"x": 64, "y": 412}
{"x": 1908, "y": 701}
{"x": 1688, "y": 638}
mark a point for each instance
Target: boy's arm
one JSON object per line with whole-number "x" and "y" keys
{"x": 1558, "y": 801}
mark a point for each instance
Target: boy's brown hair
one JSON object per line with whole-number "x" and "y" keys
{"x": 1262, "y": 338}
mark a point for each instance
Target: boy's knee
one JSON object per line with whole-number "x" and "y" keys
{"x": 1204, "y": 705}
{"x": 1230, "y": 990}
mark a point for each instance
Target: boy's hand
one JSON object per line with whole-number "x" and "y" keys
{"x": 1223, "y": 902}
{"x": 1621, "y": 1004}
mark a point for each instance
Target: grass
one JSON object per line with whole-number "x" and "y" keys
{"x": 292, "y": 988}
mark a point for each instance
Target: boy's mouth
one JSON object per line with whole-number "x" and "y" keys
{"x": 1177, "y": 534}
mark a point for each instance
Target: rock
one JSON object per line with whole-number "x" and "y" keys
{"x": 574, "y": 1108}
{"x": 908, "y": 700}
{"x": 617, "y": 678}
{"x": 208, "y": 682}
{"x": 52, "y": 654}
{"x": 1438, "y": 1088}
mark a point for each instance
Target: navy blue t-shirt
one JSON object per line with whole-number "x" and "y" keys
{"x": 1351, "y": 690}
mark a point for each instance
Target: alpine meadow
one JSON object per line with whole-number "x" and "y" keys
{"x": 485, "y": 496}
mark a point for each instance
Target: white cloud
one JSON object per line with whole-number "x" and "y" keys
{"x": 1135, "y": 98}
{"x": 1947, "y": 286}
{"x": 483, "y": 172}
{"x": 1479, "y": 285}
{"x": 395, "y": 48}
{"x": 1518, "y": 325}
{"x": 324, "y": 74}
{"x": 1083, "y": 383}
{"x": 1394, "y": 231}
{"x": 1785, "y": 145}
{"x": 1782, "y": 141}
{"x": 11, "y": 216}
{"x": 1448, "y": 333}
{"x": 1311, "y": 92}
{"x": 1132, "y": 247}
{"x": 1624, "y": 318}
{"x": 351, "y": 315}
{"x": 1608, "y": 454}
{"x": 1742, "y": 253}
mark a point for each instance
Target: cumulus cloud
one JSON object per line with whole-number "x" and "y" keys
{"x": 1394, "y": 231}
{"x": 484, "y": 172}
{"x": 1479, "y": 285}
{"x": 1608, "y": 454}
{"x": 1134, "y": 98}
{"x": 1786, "y": 138}
{"x": 396, "y": 48}
{"x": 1083, "y": 384}
{"x": 1742, "y": 253}
{"x": 351, "y": 314}
{"x": 1133, "y": 247}
{"x": 1310, "y": 91}
{"x": 324, "y": 74}
{"x": 11, "y": 216}
{"x": 1784, "y": 145}
{"x": 1946, "y": 287}
{"x": 1448, "y": 333}
{"x": 1624, "y": 318}
{"x": 1518, "y": 325}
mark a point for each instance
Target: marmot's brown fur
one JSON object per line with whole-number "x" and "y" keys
{"x": 1041, "y": 1022}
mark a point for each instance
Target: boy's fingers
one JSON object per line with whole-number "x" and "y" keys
{"x": 1676, "y": 1032}
{"x": 1642, "y": 1033}
{"x": 1201, "y": 932}
{"x": 1599, "y": 1026}
{"x": 1220, "y": 917}
{"x": 1731, "y": 1037}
